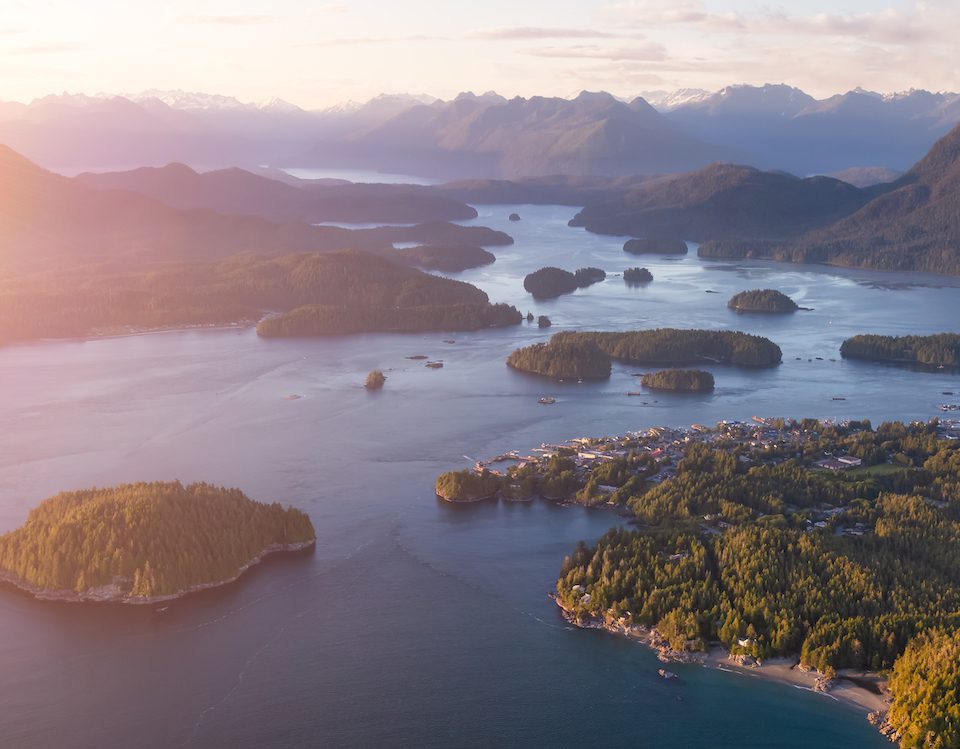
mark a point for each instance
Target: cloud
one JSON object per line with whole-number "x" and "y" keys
{"x": 648, "y": 52}
{"x": 44, "y": 49}
{"x": 542, "y": 32}
{"x": 249, "y": 19}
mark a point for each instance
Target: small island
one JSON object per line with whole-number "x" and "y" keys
{"x": 146, "y": 542}
{"x": 375, "y": 380}
{"x": 467, "y": 486}
{"x": 637, "y": 276}
{"x": 931, "y": 351}
{"x": 655, "y": 247}
{"x": 562, "y": 358}
{"x": 514, "y": 217}
{"x": 447, "y": 258}
{"x": 679, "y": 381}
{"x": 762, "y": 300}
{"x": 588, "y": 276}
{"x": 550, "y": 282}
{"x": 543, "y": 322}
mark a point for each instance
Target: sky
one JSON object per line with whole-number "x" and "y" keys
{"x": 317, "y": 54}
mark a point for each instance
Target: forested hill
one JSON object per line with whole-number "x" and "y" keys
{"x": 310, "y": 201}
{"x": 139, "y": 541}
{"x": 723, "y": 201}
{"x": 914, "y": 225}
{"x": 236, "y": 289}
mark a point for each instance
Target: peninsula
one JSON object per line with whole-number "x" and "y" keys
{"x": 939, "y": 350}
{"x": 146, "y": 542}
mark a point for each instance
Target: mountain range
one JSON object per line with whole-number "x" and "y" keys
{"x": 772, "y": 127}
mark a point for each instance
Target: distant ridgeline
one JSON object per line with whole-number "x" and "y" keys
{"x": 571, "y": 354}
{"x": 355, "y": 289}
{"x": 140, "y": 542}
{"x": 930, "y": 350}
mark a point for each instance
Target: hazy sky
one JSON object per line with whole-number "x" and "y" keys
{"x": 319, "y": 53}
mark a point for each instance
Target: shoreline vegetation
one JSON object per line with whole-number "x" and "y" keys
{"x": 810, "y": 551}
{"x": 145, "y": 543}
{"x": 587, "y": 355}
{"x": 940, "y": 350}
{"x": 655, "y": 247}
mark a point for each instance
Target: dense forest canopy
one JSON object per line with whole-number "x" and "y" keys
{"x": 550, "y": 282}
{"x": 926, "y": 692}
{"x": 679, "y": 380}
{"x": 562, "y": 359}
{"x": 467, "y": 486}
{"x": 237, "y": 289}
{"x": 446, "y": 258}
{"x": 635, "y": 276}
{"x": 773, "y": 582}
{"x": 762, "y": 300}
{"x": 146, "y": 539}
{"x": 928, "y": 350}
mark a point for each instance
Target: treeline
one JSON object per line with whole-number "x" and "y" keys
{"x": 239, "y": 289}
{"x": 929, "y": 350}
{"x": 320, "y": 320}
{"x": 446, "y": 258}
{"x": 762, "y": 300}
{"x": 562, "y": 358}
{"x": 681, "y": 380}
{"x": 674, "y": 347}
{"x": 148, "y": 538}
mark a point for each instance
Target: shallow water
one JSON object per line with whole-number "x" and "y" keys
{"x": 414, "y": 623}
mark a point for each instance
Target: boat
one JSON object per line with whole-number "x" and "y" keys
{"x": 838, "y": 398}
{"x": 949, "y": 407}
{"x": 635, "y": 392}
{"x": 547, "y": 400}
{"x": 434, "y": 364}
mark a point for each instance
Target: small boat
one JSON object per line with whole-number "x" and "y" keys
{"x": 947, "y": 392}
{"x": 838, "y": 398}
{"x": 547, "y": 400}
{"x": 449, "y": 340}
{"x": 434, "y": 364}
{"x": 635, "y": 392}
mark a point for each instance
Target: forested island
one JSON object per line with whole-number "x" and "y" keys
{"x": 446, "y": 258}
{"x": 942, "y": 349}
{"x": 467, "y": 486}
{"x": 550, "y": 282}
{"x": 141, "y": 543}
{"x": 588, "y": 276}
{"x": 571, "y": 355}
{"x": 679, "y": 380}
{"x": 375, "y": 380}
{"x": 562, "y": 358}
{"x": 655, "y": 247}
{"x": 837, "y": 544}
{"x": 636, "y": 276}
{"x": 357, "y": 291}
{"x": 762, "y": 300}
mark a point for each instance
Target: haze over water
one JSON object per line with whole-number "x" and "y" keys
{"x": 415, "y": 623}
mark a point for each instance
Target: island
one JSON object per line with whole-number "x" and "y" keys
{"x": 514, "y": 217}
{"x": 655, "y": 247}
{"x": 562, "y": 358}
{"x": 447, "y": 258}
{"x": 762, "y": 300}
{"x": 798, "y": 540}
{"x": 550, "y": 282}
{"x": 637, "y": 276}
{"x": 588, "y": 276}
{"x": 568, "y": 354}
{"x": 145, "y": 542}
{"x": 931, "y": 351}
{"x": 467, "y": 486}
{"x": 375, "y": 380}
{"x": 543, "y": 322}
{"x": 679, "y": 381}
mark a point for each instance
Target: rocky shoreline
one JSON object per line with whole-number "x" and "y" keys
{"x": 113, "y": 593}
{"x": 847, "y": 689}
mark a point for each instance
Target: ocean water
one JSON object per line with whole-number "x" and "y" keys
{"x": 414, "y": 623}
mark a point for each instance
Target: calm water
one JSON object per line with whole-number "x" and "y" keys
{"x": 414, "y": 623}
